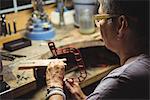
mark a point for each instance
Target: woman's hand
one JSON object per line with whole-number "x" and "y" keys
{"x": 75, "y": 89}
{"x": 55, "y": 73}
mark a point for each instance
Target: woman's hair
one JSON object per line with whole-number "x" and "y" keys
{"x": 137, "y": 12}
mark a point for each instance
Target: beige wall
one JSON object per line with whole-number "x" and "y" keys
{"x": 22, "y": 17}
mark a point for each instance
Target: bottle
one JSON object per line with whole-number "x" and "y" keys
{"x": 86, "y": 22}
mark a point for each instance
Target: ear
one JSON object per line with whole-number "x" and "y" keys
{"x": 123, "y": 25}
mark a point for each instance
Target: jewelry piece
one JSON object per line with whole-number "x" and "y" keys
{"x": 55, "y": 91}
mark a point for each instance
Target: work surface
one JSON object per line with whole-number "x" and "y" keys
{"x": 23, "y": 81}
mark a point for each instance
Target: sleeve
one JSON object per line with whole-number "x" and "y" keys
{"x": 109, "y": 87}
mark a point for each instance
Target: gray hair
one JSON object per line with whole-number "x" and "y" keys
{"x": 138, "y": 9}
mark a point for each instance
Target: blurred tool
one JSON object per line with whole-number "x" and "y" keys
{"x": 39, "y": 27}
{"x": 60, "y": 9}
{"x": 14, "y": 24}
{"x": 9, "y": 28}
{"x": 37, "y": 5}
{"x": 3, "y": 26}
{"x": 10, "y": 57}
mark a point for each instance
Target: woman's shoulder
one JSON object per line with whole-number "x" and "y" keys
{"x": 139, "y": 66}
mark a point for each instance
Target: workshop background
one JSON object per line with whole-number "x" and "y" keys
{"x": 34, "y": 32}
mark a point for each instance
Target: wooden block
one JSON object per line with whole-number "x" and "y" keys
{"x": 29, "y": 64}
{"x": 9, "y": 38}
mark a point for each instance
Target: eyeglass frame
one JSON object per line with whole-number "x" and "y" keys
{"x": 99, "y": 17}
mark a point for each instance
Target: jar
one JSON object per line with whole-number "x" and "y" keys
{"x": 86, "y": 22}
{"x": 92, "y": 5}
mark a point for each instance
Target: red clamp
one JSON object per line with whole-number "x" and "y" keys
{"x": 78, "y": 59}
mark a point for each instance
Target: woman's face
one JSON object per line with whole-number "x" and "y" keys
{"x": 107, "y": 30}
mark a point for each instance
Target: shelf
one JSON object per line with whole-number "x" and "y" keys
{"x": 8, "y": 38}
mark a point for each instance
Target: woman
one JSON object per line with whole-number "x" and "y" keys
{"x": 124, "y": 27}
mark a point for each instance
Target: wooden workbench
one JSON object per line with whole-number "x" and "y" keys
{"x": 65, "y": 36}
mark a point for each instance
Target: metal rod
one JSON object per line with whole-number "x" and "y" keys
{"x": 14, "y": 24}
{"x": 9, "y": 28}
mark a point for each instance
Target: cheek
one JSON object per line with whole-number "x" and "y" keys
{"x": 107, "y": 32}
{"x": 104, "y": 32}
{"x": 102, "y": 28}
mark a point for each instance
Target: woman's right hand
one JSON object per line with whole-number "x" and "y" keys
{"x": 75, "y": 89}
{"x": 55, "y": 74}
